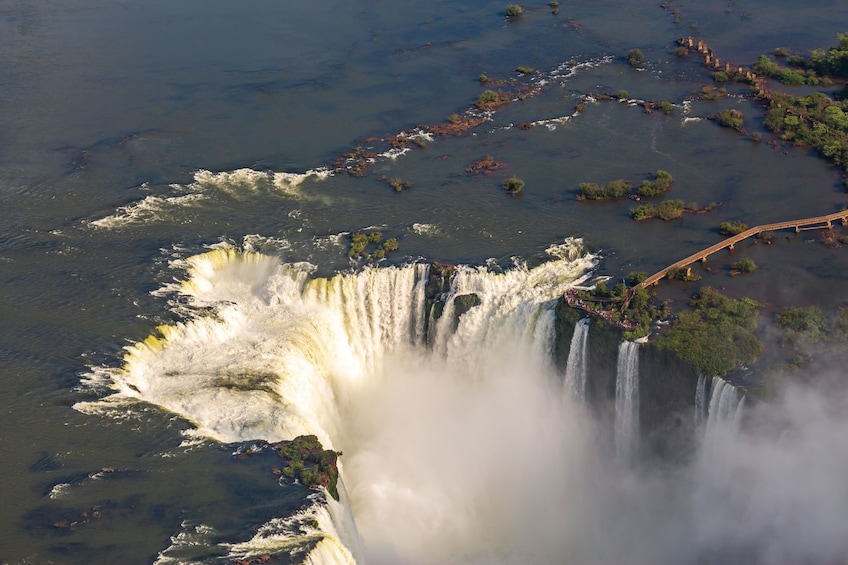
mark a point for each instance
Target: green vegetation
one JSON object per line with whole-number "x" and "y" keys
{"x": 681, "y": 51}
{"x": 660, "y": 185}
{"x": 465, "y": 302}
{"x": 635, "y": 57}
{"x": 814, "y": 120}
{"x": 732, "y": 228}
{"x": 400, "y": 185}
{"x": 359, "y": 242}
{"x": 626, "y": 308}
{"x": 834, "y": 61}
{"x": 716, "y": 335}
{"x": 744, "y": 266}
{"x": 483, "y": 79}
{"x": 490, "y": 99}
{"x": 667, "y": 210}
{"x": 310, "y": 463}
{"x": 712, "y": 93}
{"x": 684, "y": 274}
{"x": 730, "y": 119}
{"x": 595, "y": 191}
{"x": 513, "y": 185}
{"x": 622, "y": 187}
{"x": 667, "y": 107}
{"x": 622, "y": 94}
{"x": 636, "y": 277}
{"x": 766, "y": 67}
{"x": 487, "y": 97}
{"x": 514, "y": 10}
{"x": 525, "y": 70}
{"x": 798, "y": 324}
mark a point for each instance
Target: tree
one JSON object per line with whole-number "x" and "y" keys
{"x": 670, "y": 209}
{"x": 730, "y": 118}
{"x": 732, "y": 228}
{"x": 635, "y": 57}
{"x": 514, "y": 10}
{"x": 717, "y": 335}
{"x": 744, "y": 266}
{"x": 513, "y": 185}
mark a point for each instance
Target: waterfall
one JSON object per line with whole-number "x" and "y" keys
{"x": 266, "y": 351}
{"x": 701, "y": 403}
{"x": 725, "y": 409}
{"x": 627, "y": 400}
{"x": 574, "y": 383}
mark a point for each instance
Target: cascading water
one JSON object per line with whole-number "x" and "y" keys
{"x": 466, "y": 452}
{"x": 627, "y": 400}
{"x": 574, "y": 383}
{"x": 724, "y": 412}
{"x": 283, "y": 354}
{"x": 701, "y": 403}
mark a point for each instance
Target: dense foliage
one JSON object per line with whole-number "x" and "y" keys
{"x": 635, "y": 57}
{"x": 514, "y": 10}
{"x": 730, "y": 119}
{"x": 815, "y": 120}
{"x": 310, "y": 463}
{"x": 667, "y": 210}
{"x": 732, "y": 228}
{"x": 595, "y": 191}
{"x": 360, "y": 241}
{"x": 622, "y": 187}
{"x": 513, "y": 185}
{"x": 716, "y": 335}
{"x": 833, "y": 62}
{"x": 744, "y": 266}
{"x": 798, "y": 324}
{"x": 660, "y": 185}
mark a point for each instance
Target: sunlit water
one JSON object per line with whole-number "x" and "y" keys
{"x": 137, "y": 138}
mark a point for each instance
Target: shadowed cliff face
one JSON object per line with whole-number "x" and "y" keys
{"x": 751, "y": 482}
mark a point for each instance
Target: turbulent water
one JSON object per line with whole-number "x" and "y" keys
{"x": 175, "y": 284}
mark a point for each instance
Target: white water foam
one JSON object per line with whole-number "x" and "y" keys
{"x": 283, "y": 355}
{"x": 465, "y": 453}
{"x": 206, "y": 185}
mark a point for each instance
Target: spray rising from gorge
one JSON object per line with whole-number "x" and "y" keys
{"x": 461, "y": 440}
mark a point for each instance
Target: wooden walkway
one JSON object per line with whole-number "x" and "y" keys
{"x": 819, "y": 222}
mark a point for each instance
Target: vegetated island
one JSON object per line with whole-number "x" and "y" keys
{"x": 620, "y": 188}
{"x": 817, "y": 120}
{"x": 361, "y": 241}
{"x": 305, "y": 461}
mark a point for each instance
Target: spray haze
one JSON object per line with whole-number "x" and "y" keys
{"x": 471, "y": 450}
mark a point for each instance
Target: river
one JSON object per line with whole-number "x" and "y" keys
{"x": 139, "y": 138}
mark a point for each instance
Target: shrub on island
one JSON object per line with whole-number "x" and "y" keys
{"x": 744, "y": 266}
{"x": 732, "y": 228}
{"x": 513, "y": 185}
{"x": 660, "y": 185}
{"x": 635, "y": 57}
{"x": 514, "y": 10}
{"x": 730, "y": 119}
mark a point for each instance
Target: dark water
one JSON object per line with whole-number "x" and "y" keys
{"x": 106, "y": 104}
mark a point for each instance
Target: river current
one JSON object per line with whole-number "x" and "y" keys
{"x": 169, "y": 225}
